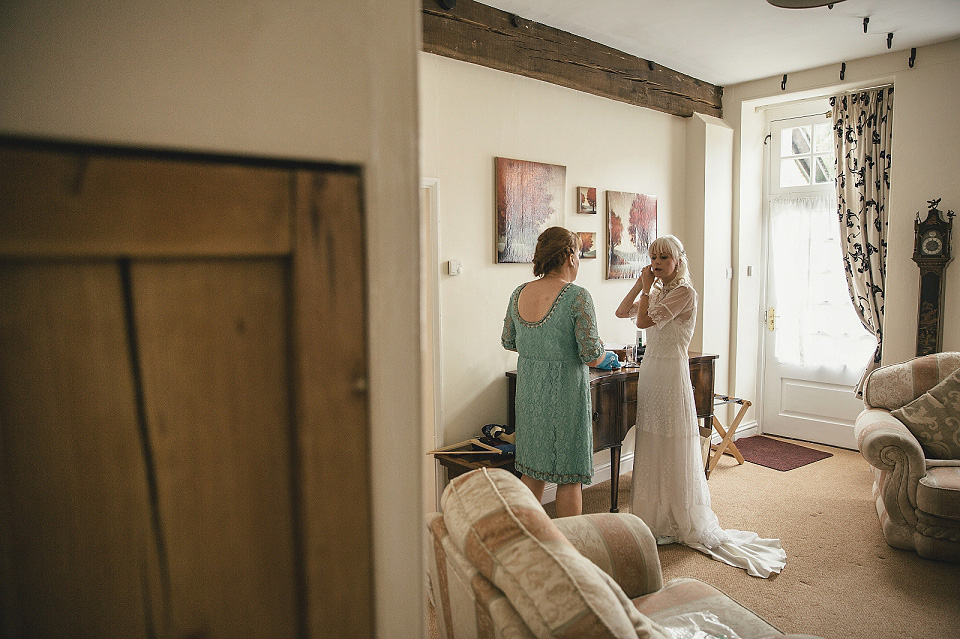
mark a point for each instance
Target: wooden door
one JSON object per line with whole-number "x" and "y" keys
{"x": 183, "y": 417}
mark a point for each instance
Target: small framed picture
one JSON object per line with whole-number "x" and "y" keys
{"x": 588, "y": 247}
{"x": 586, "y": 200}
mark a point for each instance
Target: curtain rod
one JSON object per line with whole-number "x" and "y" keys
{"x": 823, "y": 96}
{"x": 829, "y": 113}
{"x": 852, "y": 91}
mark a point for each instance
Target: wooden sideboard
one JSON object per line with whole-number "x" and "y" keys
{"x": 614, "y": 398}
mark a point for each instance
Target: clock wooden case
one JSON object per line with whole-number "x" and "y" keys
{"x": 931, "y": 252}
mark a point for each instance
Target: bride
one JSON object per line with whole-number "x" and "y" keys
{"x": 669, "y": 490}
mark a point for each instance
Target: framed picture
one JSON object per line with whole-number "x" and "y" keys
{"x": 588, "y": 248}
{"x": 631, "y": 228}
{"x": 587, "y": 200}
{"x": 529, "y": 198}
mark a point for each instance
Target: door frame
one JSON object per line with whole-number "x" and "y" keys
{"x": 431, "y": 345}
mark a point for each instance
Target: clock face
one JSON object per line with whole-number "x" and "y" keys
{"x": 931, "y": 243}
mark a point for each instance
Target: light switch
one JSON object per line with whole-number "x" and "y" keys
{"x": 454, "y": 267}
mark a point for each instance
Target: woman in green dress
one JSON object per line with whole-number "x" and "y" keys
{"x": 551, "y": 323}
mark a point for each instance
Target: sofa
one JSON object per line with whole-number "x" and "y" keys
{"x": 499, "y": 567}
{"x": 909, "y": 432}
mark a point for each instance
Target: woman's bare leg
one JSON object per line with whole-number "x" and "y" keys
{"x": 569, "y": 500}
{"x": 536, "y": 486}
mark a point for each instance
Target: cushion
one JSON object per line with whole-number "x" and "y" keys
{"x": 938, "y": 493}
{"x": 504, "y": 532}
{"x": 934, "y": 419}
{"x": 892, "y": 386}
{"x": 681, "y": 598}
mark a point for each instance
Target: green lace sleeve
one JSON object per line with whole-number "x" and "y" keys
{"x": 585, "y": 327}
{"x": 509, "y": 335}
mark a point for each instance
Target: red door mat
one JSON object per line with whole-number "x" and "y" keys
{"x": 776, "y": 454}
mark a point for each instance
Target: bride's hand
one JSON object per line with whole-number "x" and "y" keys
{"x": 646, "y": 277}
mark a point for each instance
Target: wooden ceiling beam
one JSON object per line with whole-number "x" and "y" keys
{"x": 474, "y": 32}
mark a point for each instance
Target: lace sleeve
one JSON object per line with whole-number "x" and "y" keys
{"x": 585, "y": 327}
{"x": 666, "y": 306}
{"x": 509, "y": 335}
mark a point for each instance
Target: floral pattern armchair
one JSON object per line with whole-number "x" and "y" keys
{"x": 499, "y": 567}
{"x": 909, "y": 432}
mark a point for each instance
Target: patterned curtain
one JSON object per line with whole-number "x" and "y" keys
{"x": 863, "y": 128}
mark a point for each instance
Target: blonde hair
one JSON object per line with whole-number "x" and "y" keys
{"x": 553, "y": 247}
{"x": 674, "y": 248}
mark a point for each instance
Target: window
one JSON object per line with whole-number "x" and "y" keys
{"x": 803, "y": 156}
{"x": 818, "y": 325}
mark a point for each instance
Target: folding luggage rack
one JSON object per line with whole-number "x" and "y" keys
{"x": 726, "y": 444}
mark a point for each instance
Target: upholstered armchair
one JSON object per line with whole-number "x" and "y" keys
{"x": 500, "y": 567}
{"x": 909, "y": 432}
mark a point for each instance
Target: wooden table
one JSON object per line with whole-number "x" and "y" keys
{"x": 613, "y": 395}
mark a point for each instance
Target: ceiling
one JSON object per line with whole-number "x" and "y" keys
{"x": 725, "y": 42}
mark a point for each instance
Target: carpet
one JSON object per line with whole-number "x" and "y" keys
{"x": 777, "y": 454}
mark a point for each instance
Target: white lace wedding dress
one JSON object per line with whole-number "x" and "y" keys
{"x": 669, "y": 489}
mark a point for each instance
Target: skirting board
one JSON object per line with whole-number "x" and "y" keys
{"x": 601, "y": 472}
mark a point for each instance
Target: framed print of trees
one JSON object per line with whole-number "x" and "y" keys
{"x": 586, "y": 200}
{"x": 631, "y": 227}
{"x": 529, "y": 198}
{"x": 588, "y": 245}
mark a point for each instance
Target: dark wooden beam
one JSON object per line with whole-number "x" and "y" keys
{"x": 474, "y": 32}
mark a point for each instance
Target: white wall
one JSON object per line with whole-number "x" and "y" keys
{"x": 470, "y": 115}
{"x": 269, "y": 78}
{"x": 925, "y": 166}
{"x": 708, "y": 235}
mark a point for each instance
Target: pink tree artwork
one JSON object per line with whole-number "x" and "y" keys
{"x": 529, "y": 199}
{"x": 631, "y": 228}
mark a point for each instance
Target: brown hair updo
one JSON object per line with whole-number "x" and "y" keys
{"x": 554, "y": 246}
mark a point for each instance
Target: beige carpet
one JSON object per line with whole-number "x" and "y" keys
{"x": 841, "y": 580}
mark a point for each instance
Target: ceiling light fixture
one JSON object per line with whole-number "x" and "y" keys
{"x": 803, "y": 4}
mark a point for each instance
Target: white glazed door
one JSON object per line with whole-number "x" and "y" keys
{"x": 814, "y": 347}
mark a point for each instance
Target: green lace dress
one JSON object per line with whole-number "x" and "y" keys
{"x": 554, "y": 435}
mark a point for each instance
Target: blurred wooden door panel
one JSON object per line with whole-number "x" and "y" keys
{"x": 329, "y": 332}
{"x": 97, "y": 203}
{"x": 212, "y": 341}
{"x": 183, "y": 410}
{"x": 77, "y": 548}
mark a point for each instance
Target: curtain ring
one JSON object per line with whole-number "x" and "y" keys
{"x": 783, "y": 85}
{"x": 843, "y": 70}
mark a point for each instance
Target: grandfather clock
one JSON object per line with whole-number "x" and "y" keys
{"x": 931, "y": 252}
